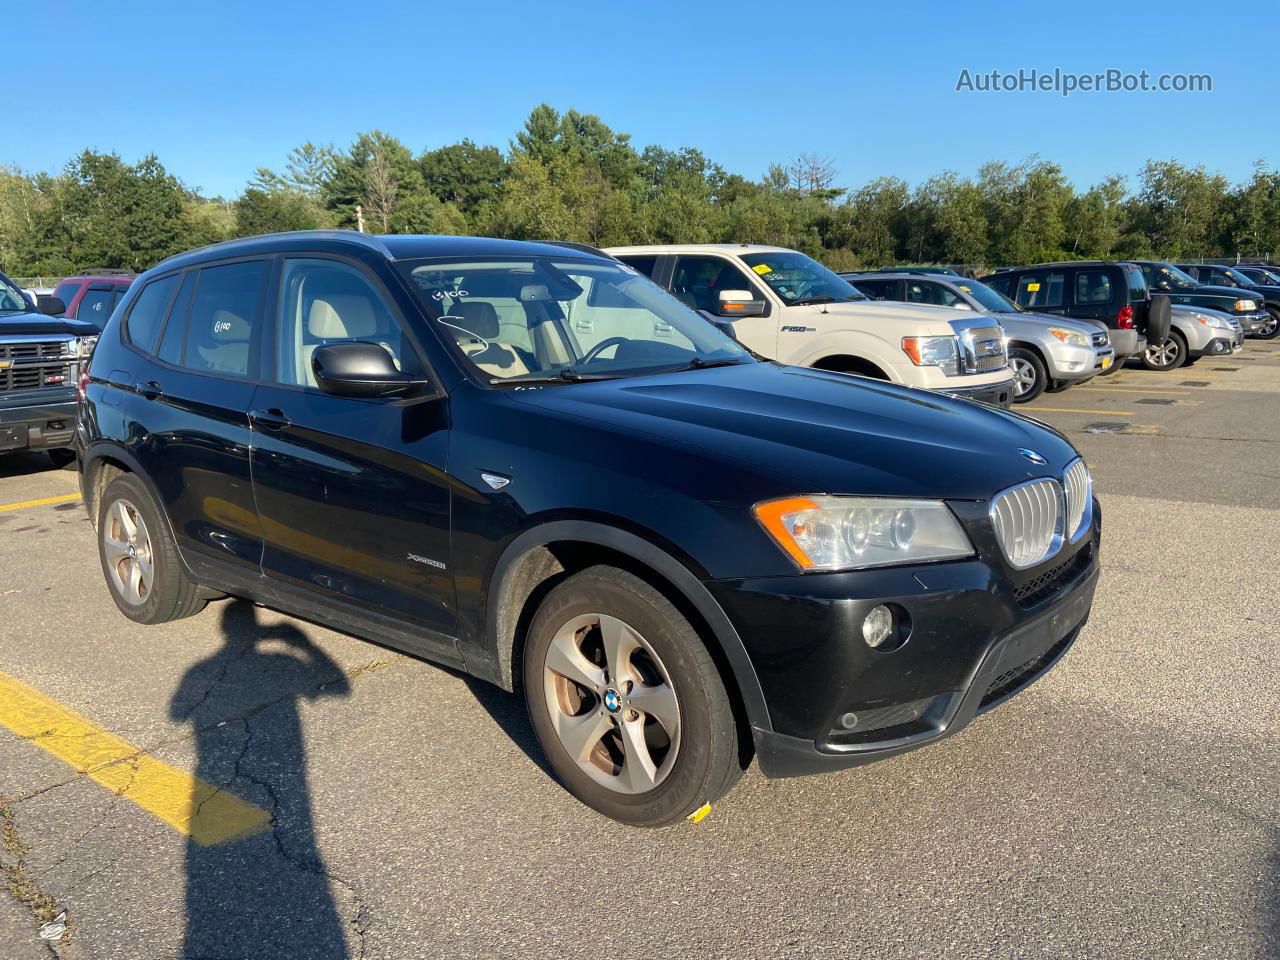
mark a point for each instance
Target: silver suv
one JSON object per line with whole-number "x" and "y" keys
{"x": 1045, "y": 352}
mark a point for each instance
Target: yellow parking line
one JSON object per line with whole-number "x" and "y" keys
{"x": 1105, "y": 413}
{"x": 1172, "y": 393}
{"x": 205, "y": 813}
{"x": 22, "y": 505}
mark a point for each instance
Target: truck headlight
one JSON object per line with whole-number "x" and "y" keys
{"x": 852, "y": 533}
{"x": 941, "y": 352}
{"x": 85, "y": 345}
{"x": 1071, "y": 337}
{"x": 1246, "y": 306}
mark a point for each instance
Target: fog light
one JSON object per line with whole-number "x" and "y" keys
{"x": 878, "y": 626}
{"x": 849, "y": 720}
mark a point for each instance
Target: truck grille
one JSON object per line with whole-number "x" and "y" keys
{"x": 1100, "y": 339}
{"x": 35, "y": 364}
{"x": 983, "y": 350}
{"x": 34, "y": 349}
{"x": 1028, "y": 521}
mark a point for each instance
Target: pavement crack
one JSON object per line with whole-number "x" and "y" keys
{"x": 19, "y": 883}
{"x": 315, "y": 867}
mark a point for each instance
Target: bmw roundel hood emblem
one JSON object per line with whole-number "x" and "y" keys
{"x": 1032, "y": 456}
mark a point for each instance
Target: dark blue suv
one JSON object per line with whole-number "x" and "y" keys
{"x": 529, "y": 462}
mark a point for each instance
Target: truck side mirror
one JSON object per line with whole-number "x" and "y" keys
{"x": 739, "y": 303}
{"x": 51, "y": 306}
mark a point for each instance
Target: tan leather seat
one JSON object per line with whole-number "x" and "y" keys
{"x": 335, "y": 318}
{"x": 229, "y": 352}
{"x": 483, "y": 348}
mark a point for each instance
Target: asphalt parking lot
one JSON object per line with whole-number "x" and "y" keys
{"x": 380, "y": 807}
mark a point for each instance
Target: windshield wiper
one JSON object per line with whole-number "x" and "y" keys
{"x": 808, "y": 300}
{"x": 567, "y": 375}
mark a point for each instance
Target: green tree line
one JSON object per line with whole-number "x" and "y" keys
{"x": 569, "y": 176}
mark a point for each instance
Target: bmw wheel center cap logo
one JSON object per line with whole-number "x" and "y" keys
{"x": 1032, "y": 456}
{"x": 612, "y": 701}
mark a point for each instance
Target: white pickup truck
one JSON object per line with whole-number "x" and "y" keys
{"x": 787, "y": 306}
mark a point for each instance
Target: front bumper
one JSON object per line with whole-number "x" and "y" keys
{"x": 1071, "y": 363}
{"x": 996, "y": 394}
{"x": 977, "y": 638}
{"x": 31, "y": 423}
{"x": 1251, "y": 323}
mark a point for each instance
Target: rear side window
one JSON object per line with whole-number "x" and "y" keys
{"x": 148, "y": 312}
{"x": 224, "y": 311}
{"x": 879, "y": 289}
{"x": 96, "y": 307}
{"x": 1001, "y": 283}
{"x": 1137, "y": 282}
{"x": 1040, "y": 290}
{"x": 926, "y": 291}
{"x": 1094, "y": 286}
{"x": 175, "y": 331}
{"x": 645, "y": 265}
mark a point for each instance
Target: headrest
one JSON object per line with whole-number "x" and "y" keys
{"x": 477, "y": 317}
{"x": 229, "y": 327}
{"x": 341, "y": 316}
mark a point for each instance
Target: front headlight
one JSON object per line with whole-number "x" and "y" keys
{"x": 1245, "y": 306}
{"x": 941, "y": 352}
{"x": 1070, "y": 337}
{"x": 85, "y": 345}
{"x": 1218, "y": 323}
{"x": 851, "y": 533}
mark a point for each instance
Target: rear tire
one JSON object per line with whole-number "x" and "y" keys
{"x": 140, "y": 560}
{"x": 1029, "y": 375}
{"x": 1168, "y": 354}
{"x": 626, "y": 700}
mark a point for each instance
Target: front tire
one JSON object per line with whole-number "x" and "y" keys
{"x": 140, "y": 561}
{"x": 1169, "y": 354}
{"x": 1029, "y": 375}
{"x": 1271, "y": 328}
{"x": 626, "y": 701}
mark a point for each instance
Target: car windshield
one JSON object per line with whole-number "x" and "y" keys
{"x": 987, "y": 298}
{"x": 1271, "y": 275}
{"x": 798, "y": 279}
{"x": 1166, "y": 273}
{"x": 11, "y": 298}
{"x": 1237, "y": 276}
{"x": 553, "y": 319}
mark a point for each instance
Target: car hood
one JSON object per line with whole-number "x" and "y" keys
{"x": 820, "y": 432}
{"x": 895, "y": 310}
{"x": 22, "y": 324}
{"x": 1080, "y": 324}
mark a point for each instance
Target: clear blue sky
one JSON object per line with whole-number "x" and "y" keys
{"x": 216, "y": 90}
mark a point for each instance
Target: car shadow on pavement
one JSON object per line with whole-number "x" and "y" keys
{"x": 269, "y": 894}
{"x": 28, "y": 463}
{"x": 508, "y": 711}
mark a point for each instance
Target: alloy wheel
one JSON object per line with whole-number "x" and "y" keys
{"x": 1268, "y": 326}
{"x": 611, "y": 703}
{"x": 1024, "y": 376}
{"x": 1165, "y": 353}
{"x": 127, "y": 547}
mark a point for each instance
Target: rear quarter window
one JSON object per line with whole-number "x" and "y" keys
{"x": 1137, "y": 283}
{"x": 1094, "y": 287}
{"x": 148, "y": 311}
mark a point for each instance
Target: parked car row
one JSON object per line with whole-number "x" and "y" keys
{"x": 541, "y": 465}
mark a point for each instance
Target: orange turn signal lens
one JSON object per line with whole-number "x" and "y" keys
{"x": 771, "y": 515}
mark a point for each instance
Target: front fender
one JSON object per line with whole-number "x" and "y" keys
{"x": 496, "y": 663}
{"x": 844, "y": 344}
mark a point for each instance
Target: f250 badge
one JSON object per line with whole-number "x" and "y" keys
{"x": 427, "y": 560}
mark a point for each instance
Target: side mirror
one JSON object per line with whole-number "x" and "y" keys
{"x": 51, "y": 306}
{"x": 739, "y": 303}
{"x": 357, "y": 369}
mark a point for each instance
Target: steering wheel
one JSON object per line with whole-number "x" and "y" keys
{"x": 602, "y": 346}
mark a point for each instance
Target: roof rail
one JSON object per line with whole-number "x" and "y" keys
{"x": 373, "y": 241}
{"x": 580, "y": 247}
{"x": 105, "y": 272}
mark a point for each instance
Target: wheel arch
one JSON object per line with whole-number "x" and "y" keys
{"x": 1034, "y": 348}
{"x": 541, "y": 557}
{"x": 102, "y": 463}
{"x": 849, "y": 363}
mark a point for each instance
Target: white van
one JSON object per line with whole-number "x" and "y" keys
{"x": 787, "y": 306}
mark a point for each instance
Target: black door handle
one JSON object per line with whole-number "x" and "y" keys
{"x": 272, "y": 418}
{"x": 150, "y": 390}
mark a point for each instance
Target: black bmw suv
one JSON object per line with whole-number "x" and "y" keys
{"x": 533, "y": 464}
